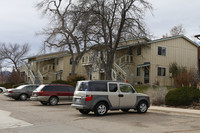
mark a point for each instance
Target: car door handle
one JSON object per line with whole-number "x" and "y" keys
{"x": 121, "y": 95}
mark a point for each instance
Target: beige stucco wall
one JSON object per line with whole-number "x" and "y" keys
{"x": 80, "y": 69}
{"x": 178, "y": 50}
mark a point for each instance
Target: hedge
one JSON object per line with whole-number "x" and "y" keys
{"x": 183, "y": 96}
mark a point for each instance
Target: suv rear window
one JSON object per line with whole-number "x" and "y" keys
{"x": 93, "y": 86}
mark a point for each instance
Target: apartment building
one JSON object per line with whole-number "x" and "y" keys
{"x": 138, "y": 61}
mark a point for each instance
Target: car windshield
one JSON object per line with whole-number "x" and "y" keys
{"x": 20, "y": 87}
{"x": 39, "y": 88}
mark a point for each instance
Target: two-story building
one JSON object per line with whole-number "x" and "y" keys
{"x": 141, "y": 60}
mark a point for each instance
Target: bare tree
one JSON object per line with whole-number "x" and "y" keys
{"x": 13, "y": 53}
{"x": 177, "y": 30}
{"x": 77, "y": 25}
{"x": 69, "y": 28}
{"x": 114, "y": 21}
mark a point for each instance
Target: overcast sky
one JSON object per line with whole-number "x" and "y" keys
{"x": 20, "y": 20}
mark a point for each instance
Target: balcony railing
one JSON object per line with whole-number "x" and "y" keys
{"x": 120, "y": 73}
{"x": 124, "y": 60}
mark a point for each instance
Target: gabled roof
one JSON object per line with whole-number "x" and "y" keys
{"x": 174, "y": 37}
{"x": 131, "y": 45}
{"x": 36, "y": 56}
{"x": 158, "y": 40}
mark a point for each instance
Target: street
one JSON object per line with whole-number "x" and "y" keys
{"x": 32, "y": 117}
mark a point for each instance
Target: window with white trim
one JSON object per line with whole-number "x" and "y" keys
{"x": 139, "y": 51}
{"x": 162, "y": 51}
{"x": 138, "y": 71}
{"x": 161, "y": 71}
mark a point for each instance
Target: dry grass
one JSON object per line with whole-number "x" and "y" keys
{"x": 157, "y": 95}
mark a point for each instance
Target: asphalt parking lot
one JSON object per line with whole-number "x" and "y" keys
{"x": 32, "y": 117}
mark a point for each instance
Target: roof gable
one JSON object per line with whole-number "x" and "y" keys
{"x": 174, "y": 37}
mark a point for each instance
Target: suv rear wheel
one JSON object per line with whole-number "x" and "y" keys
{"x": 142, "y": 107}
{"x": 1, "y": 90}
{"x": 23, "y": 97}
{"x": 84, "y": 111}
{"x": 53, "y": 100}
{"x": 101, "y": 109}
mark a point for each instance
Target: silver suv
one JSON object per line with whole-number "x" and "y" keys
{"x": 101, "y": 96}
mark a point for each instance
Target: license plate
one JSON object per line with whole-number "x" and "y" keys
{"x": 78, "y": 100}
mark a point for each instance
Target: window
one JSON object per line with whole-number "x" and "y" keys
{"x": 83, "y": 60}
{"x": 130, "y": 51}
{"x": 112, "y": 87}
{"x": 139, "y": 51}
{"x": 93, "y": 86}
{"x": 161, "y": 71}
{"x": 131, "y": 58}
{"x": 84, "y": 86}
{"x": 57, "y": 61}
{"x": 66, "y": 88}
{"x": 49, "y": 88}
{"x": 162, "y": 51}
{"x": 138, "y": 71}
{"x": 126, "y": 88}
{"x": 70, "y": 61}
{"x": 71, "y": 88}
{"x": 31, "y": 88}
{"x": 97, "y": 87}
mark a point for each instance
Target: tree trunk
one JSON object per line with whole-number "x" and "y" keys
{"x": 73, "y": 67}
{"x": 109, "y": 67}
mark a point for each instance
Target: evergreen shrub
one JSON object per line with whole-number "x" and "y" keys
{"x": 183, "y": 96}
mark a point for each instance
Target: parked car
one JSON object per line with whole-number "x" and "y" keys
{"x": 2, "y": 89}
{"x": 53, "y": 93}
{"x": 21, "y": 92}
{"x": 101, "y": 96}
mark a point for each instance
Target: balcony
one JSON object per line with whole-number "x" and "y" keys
{"x": 87, "y": 61}
{"x": 126, "y": 59}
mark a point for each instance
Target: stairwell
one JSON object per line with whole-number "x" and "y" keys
{"x": 118, "y": 73}
{"x": 33, "y": 79}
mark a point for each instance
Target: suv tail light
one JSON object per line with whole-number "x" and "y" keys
{"x": 10, "y": 91}
{"x": 88, "y": 97}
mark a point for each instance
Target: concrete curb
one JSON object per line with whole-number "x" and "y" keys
{"x": 175, "y": 110}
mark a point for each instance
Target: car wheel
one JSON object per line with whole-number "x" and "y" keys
{"x": 84, "y": 111}
{"x": 1, "y": 90}
{"x": 101, "y": 109}
{"x": 125, "y": 110}
{"x": 23, "y": 97}
{"x": 142, "y": 107}
{"x": 43, "y": 103}
{"x": 53, "y": 101}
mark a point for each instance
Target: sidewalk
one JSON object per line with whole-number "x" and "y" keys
{"x": 175, "y": 110}
{"x": 6, "y": 121}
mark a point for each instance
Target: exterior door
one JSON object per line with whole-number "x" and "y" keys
{"x": 127, "y": 96}
{"x": 113, "y": 94}
{"x": 146, "y": 75}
